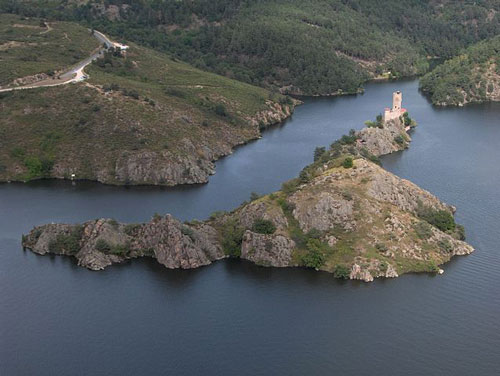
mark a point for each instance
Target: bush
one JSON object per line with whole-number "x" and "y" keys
{"x": 399, "y": 140}
{"x": 221, "y": 110}
{"x": 67, "y": 243}
{"x": 263, "y": 226}
{"x": 314, "y": 258}
{"x": 442, "y": 219}
{"x": 423, "y": 230}
{"x": 188, "y": 231}
{"x": 254, "y": 196}
{"x": 318, "y": 153}
{"x": 341, "y": 271}
{"x": 460, "y": 232}
{"x": 102, "y": 245}
{"x": 131, "y": 229}
{"x": 348, "y": 163}
{"x": 232, "y": 237}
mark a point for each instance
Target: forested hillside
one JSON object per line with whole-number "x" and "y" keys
{"x": 302, "y": 47}
{"x": 473, "y": 76}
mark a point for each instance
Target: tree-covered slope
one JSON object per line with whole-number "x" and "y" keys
{"x": 307, "y": 47}
{"x": 473, "y": 76}
{"x": 141, "y": 118}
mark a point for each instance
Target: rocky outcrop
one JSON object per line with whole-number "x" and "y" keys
{"x": 356, "y": 220}
{"x": 391, "y": 137}
{"x": 267, "y": 250}
{"x": 275, "y": 113}
{"x": 98, "y": 244}
{"x": 362, "y": 221}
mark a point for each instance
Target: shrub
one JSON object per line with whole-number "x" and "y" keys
{"x": 67, "y": 243}
{"x": 460, "y": 232}
{"x": 445, "y": 245}
{"x": 314, "y": 258}
{"x": 341, "y": 272}
{"x": 254, "y": 196}
{"x": 318, "y": 152}
{"x": 131, "y": 228}
{"x": 188, "y": 231}
{"x": 442, "y": 219}
{"x": 263, "y": 226}
{"x": 290, "y": 186}
{"x": 232, "y": 237}
{"x": 347, "y": 163}
{"x": 175, "y": 92}
{"x": 423, "y": 230}
{"x": 102, "y": 245}
{"x": 221, "y": 110}
{"x": 399, "y": 139}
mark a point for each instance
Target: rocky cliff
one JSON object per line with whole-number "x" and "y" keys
{"x": 344, "y": 214}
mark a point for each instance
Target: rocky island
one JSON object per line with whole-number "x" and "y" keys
{"x": 344, "y": 214}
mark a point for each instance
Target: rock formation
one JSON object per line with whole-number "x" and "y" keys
{"x": 355, "y": 220}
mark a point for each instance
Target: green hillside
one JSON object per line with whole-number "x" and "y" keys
{"x": 303, "y": 47}
{"x": 29, "y": 46}
{"x": 473, "y": 76}
{"x": 141, "y": 118}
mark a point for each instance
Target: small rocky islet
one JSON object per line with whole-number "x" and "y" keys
{"x": 344, "y": 214}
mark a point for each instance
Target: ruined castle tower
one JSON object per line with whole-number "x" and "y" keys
{"x": 396, "y": 111}
{"x": 397, "y": 99}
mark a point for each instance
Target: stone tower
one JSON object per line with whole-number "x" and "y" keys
{"x": 397, "y": 99}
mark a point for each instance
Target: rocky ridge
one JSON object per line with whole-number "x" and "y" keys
{"x": 354, "y": 219}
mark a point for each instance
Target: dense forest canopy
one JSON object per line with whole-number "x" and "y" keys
{"x": 304, "y": 47}
{"x": 472, "y": 76}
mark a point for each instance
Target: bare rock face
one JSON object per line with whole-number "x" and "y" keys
{"x": 322, "y": 210}
{"x": 98, "y": 244}
{"x": 274, "y": 114}
{"x": 179, "y": 246}
{"x": 387, "y": 187}
{"x": 382, "y": 141}
{"x": 161, "y": 168}
{"x": 267, "y": 250}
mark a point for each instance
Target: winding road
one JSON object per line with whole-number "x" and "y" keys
{"x": 76, "y": 73}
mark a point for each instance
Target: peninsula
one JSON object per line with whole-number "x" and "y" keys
{"x": 135, "y": 117}
{"x": 343, "y": 214}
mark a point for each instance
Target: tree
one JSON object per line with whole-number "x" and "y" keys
{"x": 318, "y": 152}
{"x": 348, "y": 163}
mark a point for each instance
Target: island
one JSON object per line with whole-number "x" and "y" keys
{"x": 343, "y": 214}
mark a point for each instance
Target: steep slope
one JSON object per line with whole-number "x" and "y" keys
{"x": 473, "y": 76}
{"x": 344, "y": 214}
{"x": 141, "y": 118}
{"x": 302, "y": 47}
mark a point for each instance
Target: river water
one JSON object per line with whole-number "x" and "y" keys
{"x": 236, "y": 318}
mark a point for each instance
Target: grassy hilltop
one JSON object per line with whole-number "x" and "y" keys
{"x": 141, "y": 118}
{"x": 30, "y": 46}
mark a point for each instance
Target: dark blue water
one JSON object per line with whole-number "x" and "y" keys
{"x": 236, "y": 318}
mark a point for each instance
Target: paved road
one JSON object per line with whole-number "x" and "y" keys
{"x": 75, "y": 74}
